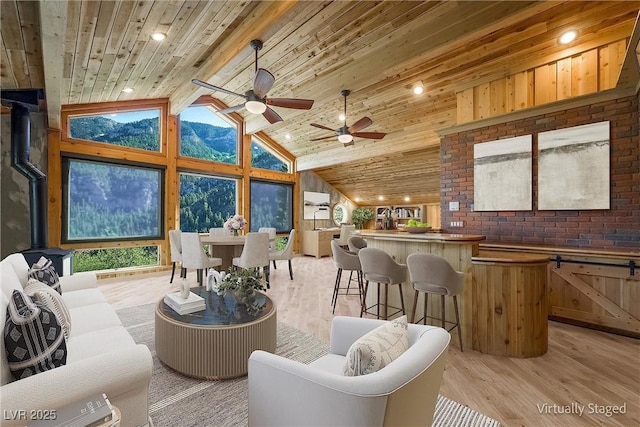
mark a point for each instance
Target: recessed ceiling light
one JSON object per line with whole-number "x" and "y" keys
{"x": 158, "y": 36}
{"x": 380, "y": 198}
{"x": 568, "y": 37}
{"x": 407, "y": 198}
{"x": 287, "y": 136}
{"x": 418, "y": 88}
{"x": 357, "y": 199}
{"x": 341, "y": 117}
{"x": 127, "y": 90}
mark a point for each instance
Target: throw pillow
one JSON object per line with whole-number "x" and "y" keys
{"x": 33, "y": 337}
{"x": 45, "y": 272}
{"x": 376, "y": 349}
{"x": 43, "y": 294}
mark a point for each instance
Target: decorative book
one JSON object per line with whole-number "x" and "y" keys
{"x": 93, "y": 411}
{"x": 184, "y": 306}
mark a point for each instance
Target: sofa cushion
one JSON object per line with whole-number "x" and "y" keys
{"x": 33, "y": 338}
{"x": 46, "y": 295}
{"x": 45, "y": 272}
{"x": 376, "y": 349}
{"x": 95, "y": 343}
{"x": 83, "y": 297}
{"x": 93, "y": 317}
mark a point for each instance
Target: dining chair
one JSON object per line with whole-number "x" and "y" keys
{"x": 194, "y": 256}
{"x": 255, "y": 253}
{"x": 218, "y": 231}
{"x": 432, "y": 274}
{"x": 272, "y": 236}
{"x": 286, "y": 253}
{"x": 175, "y": 242}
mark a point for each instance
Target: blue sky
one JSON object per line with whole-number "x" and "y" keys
{"x": 191, "y": 114}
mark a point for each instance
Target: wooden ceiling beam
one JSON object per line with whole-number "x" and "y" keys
{"x": 54, "y": 16}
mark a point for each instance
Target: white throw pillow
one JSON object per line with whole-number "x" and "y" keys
{"x": 376, "y": 349}
{"x": 50, "y": 298}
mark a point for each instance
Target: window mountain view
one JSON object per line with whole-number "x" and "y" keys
{"x": 108, "y": 201}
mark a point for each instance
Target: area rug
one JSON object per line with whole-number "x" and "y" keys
{"x": 179, "y": 401}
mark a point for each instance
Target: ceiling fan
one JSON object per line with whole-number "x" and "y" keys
{"x": 346, "y": 133}
{"x": 256, "y": 98}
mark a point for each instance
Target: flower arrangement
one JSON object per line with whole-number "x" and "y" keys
{"x": 243, "y": 283}
{"x": 235, "y": 223}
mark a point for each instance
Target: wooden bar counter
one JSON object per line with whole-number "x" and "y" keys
{"x": 503, "y": 306}
{"x": 457, "y": 249}
{"x": 510, "y": 304}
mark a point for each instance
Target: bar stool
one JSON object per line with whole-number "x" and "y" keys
{"x": 379, "y": 267}
{"x": 349, "y": 261}
{"x": 356, "y": 243}
{"x": 433, "y": 274}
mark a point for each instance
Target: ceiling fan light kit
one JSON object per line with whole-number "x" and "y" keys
{"x": 256, "y": 100}
{"x": 255, "y": 107}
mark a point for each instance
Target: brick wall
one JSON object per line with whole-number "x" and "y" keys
{"x": 617, "y": 227}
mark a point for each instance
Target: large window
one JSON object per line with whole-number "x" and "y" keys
{"x": 206, "y": 201}
{"x": 264, "y": 158}
{"x": 271, "y": 206}
{"x": 135, "y": 129}
{"x": 208, "y": 136}
{"x": 104, "y": 201}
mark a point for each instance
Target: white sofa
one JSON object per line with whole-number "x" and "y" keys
{"x": 101, "y": 355}
{"x": 283, "y": 392}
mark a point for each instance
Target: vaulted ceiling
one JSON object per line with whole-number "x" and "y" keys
{"x": 88, "y": 51}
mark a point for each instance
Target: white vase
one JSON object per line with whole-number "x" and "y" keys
{"x": 184, "y": 289}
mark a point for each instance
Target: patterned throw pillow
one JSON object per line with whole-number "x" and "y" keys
{"x": 45, "y": 272}
{"x": 376, "y": 349}
{"x": 33, "y": 337}
{"x": 43, "y": 294}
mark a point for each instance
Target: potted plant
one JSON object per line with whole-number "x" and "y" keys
{"x": 360, "y": 216}
{"x": 243, "y": 283}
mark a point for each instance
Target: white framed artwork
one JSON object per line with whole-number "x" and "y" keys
{"x": 316, "y": 204}
{"x": 502, "y": 175}
{"x": 573, "y": 168}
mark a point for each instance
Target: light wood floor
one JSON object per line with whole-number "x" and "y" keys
{"x": 583, "y": 369}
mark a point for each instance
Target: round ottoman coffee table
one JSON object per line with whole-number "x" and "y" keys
{"x": 214, "y": 343}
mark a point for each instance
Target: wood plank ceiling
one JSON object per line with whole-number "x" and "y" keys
{"x": 89, "y": 51}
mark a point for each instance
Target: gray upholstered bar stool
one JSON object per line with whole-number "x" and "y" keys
{"x": 349, "y": 261}
{"x": 379, "y": 267}
{"x": 433, "y": 274}
{"x": 356, "y": 243}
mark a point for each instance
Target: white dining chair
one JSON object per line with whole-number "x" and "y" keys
{"x": 345, "y": 233}
{"x": 218, "y": 231}
{"x": 175, "y": 242}
{"x": 272, "y": 236}
{"x": 286, "y": 253}
{"x": 194, "y": 256}
{"x": 255, "y": 253}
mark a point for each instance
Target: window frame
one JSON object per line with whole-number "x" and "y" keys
{"x": 65, "y": 165}
{"x": 275, "y": 153}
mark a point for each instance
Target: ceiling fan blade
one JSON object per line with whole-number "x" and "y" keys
{"x": 322, "y": 127}
{"x": 216, "y": 88}
{"x": 323, "y": 137}
{"x": 370, "y": 135}
{"x": 360, "y": 124}
{"x": 271, "y": 116}
{"x": 231, "y": 109}
{"x": 298, "y": 104}
{"x": 263, "y": 82}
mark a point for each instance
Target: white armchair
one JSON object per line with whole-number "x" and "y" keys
{"x": 283, "y": 392}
